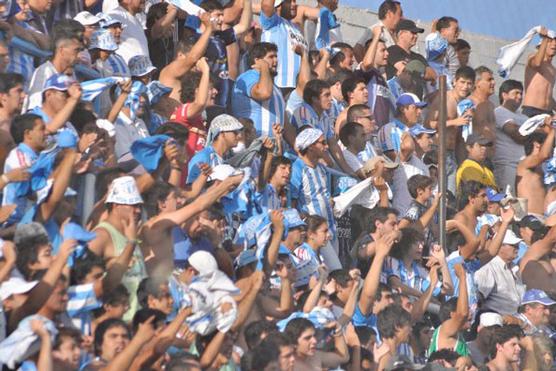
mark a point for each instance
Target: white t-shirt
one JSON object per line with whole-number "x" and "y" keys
{"x": 353, "y": 162}
{"x": 133, "y": 40}
{"x": 402, "y": 198}
{"x": 507, "y": 151}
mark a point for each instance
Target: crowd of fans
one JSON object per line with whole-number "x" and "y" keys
{"x": 187, "y": 187}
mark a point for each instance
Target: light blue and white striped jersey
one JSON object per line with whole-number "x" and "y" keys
{"x": 335, "y": 110}
{"x": 369, "y": 152}
{"x": 21, "y": 62}
{"x": 117, "y": 66}
{"x": 294, "y": 102}
{"x": 208, "y": 156}
{"x": 285, "y": 35}
{"x": 20, "y": 156}
{"x": 309, "y": 187}
{"x": 325, "y": 23}
{"x": 306, "y": 115}
{"x": 390, "y": 135}
{"x": 263, "y": 114}
{"x": 81, "y": 301}
{"x": 270, "y": 198}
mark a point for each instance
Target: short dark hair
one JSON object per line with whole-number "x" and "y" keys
{"x": 260, "y": 50}
{"x": 445, "y": 354}
{"x": 535, "y": 137}
{"x": 277, "y": 161}
{"x": 500, "y": 336}
{"x": 444, "y": 22}
{"x": 349, "y": 85}
{"x": 387, "y": 6}
{"x": 103, "y": 327}
{"x": 417, "y": 182}
{"x": 67, "y": 333}
{"x": 467, "y": 190}
{"x": 157, "y": 193}
{"x": 9, "y": 81}
{"x": 104, "y": 178}
{"x": 381, "y": 288}
{"x": 254, "y": 330}
{"x": 380, "y": 214}
{"x": 149, "y": 286}
{"x": 339, "y": 57}
{"x": 83, "y": 265}
{"x": 189, "y": 83}
{"x": 211, "y": 5}
{"x": 156, "y": 11}
{"x": 143, "y": 314}
{"x": 313, "y": 89}
{"x": 390, "y": 319}
{"x": 507, "y": 86}
{"x": 295, "y": 328}
{"x": 447, "y": 308}
{"x": 355, "y": 111}
{"x": 341, "y": 276}
{"x": 410, "y": 237}
{"x": 28, "y": 253}
{"x": 22, "y": 123}
{"x": 465, "y": 72}
{"x": 480, "y": 70}
{"x": 349, "y": 130}
{"x": 461, "y": 44}
{"x": 314, "y": 222}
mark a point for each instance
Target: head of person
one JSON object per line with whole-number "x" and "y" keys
{"x": 40, "y": 6}
{"x": 510, "y": 246}
{"x": 464, "y": 81}
{"x": 14, "y": 292}
{"x": 409, "y": 108}
{"x": 381, "y": 56}
{"x": 344, "y": 57}
{"x": 444, "y": 357}
{"x": 484, "y": 80}
{"x": 113, "y": 25}
{"x": 161, "y": 198}
{"x": 535, "y": 305}
{"x": 33, "y": 248}
{"x": 476, "y": 146}
{"x": 410, "y": 245}
{"x": 124, "y": 200}
{"x": 55, "y": 92}
{"x": 111, "y": 337}
{"x": 423, "y": 137}
{"x": 551, "y": 47}
{"x": 317, "y": 230}
{"x": 317, "y": 94}
{"x": 382, "y": 220}
{"x": 216, "y": 11}
{"x": 473, "y": 194}
{"x": 354, "y": 90}
{"x": 353, "y": 136}
{"x": 115, "y": 302}
{"x": 362, "y": 114}
{"x": 543, "y": 352}
{"x": 335, "y": 80}
{"x": 4, "y": 56}
{"x": 390, "y": 12}
{"x": 143, "y": 314}
{"x": 311, "y": 142}
{"x": 133, "y": 6}
{"x": 448, "y": 27}
{"x": 286, "y": 9}
{"x": 422, "y": 332}
{"x": 533, "y": 142}
{"x": 463, "y": 51}
{"x": 408, "y": 33}
{"x": 420, "y": 187}
{"x": 528, "y": 225}
{"x": 102, "y": 44}
{"x": 510, "y": 94}
{"x": 154, "y": 293}
{"x": 257, "y": 331}
{"x": 282, "y": 346}
{"x": 394, "y": 322}
{"x": 267, "y": 52}
{"x": 29, "y": 129}
{"x": 448, "y": 310}
{"x": 198, "y": 263}
{"x": 87, "y": 269}
{"x": 343, "y": 284}
{"x": 225, "y": 131}
{"x": 89, "y": 22}
{"x": 383, "y": 298}
{"x": 301, "y": 332}
{"x": 505, "y": 345}
{"x": 280, "y": 171}
{"x": 183, "y": 361}
{"x": 296, "y": 228}
{"x": 67, "y": 347}
{"x": 12, "y": 92}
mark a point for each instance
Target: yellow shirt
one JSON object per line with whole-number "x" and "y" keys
{"x": 472, "y": 170}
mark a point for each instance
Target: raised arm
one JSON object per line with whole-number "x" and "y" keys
{"x": 124, "y": 359}
{"x": 164, "y": 23}
{"x": 534, "y": 160}
{"x": 44, "y": 362}
{"x": 63, "y": 116}
{"x": 201, "y": 96}
{"x": 451, "y": 326}
{"x": 368, "y": 59}
{"x": 62, "y": 179}
{"x": 471, "y": 241}
{"x": 264, "y": 173}
{"x": 536, "y": 59}
{"x": 507, "y": 216}
{"x": 321, "y": 67}
{"x": 246, "y": 18}
{"x": 539, "y": 249}
{"x": 420, "y": 306}
{"x": 304, "y": 74}
{"x": 120, "y": 101}
{"x": 245, "y": 305}
{"x": 277, "y": 219}
{"x": 262, "y": 90}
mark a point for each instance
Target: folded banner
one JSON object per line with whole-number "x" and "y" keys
{"x": 92, "y": 88}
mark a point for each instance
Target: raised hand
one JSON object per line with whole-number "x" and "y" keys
{"x": 146, "y": 330}
{"x": 277, "y": 218}
{"x": 460, "y": 271}
{"x": 130, "y": 228}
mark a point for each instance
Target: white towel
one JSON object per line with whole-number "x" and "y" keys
{"x": 531, "y": 124}
{"x": 363, "y": 193}
{"x": 509, "y": 54}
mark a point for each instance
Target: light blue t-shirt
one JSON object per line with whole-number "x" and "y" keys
{"x": 208, "y": 156}
{"x": 306, "y": 115}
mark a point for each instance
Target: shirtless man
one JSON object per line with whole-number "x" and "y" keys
{"x": 540, "y": 75}
{"x": 484, "y": 120}
{"x": 529, "y": 174}
{"x": 463, "y": 85}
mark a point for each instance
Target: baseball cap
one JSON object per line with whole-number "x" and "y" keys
{"x": 419, "y": 129}
{"x": 493, "y": 195}
{"x": 15, "y": 285}
{"x": 490, "y": 319}
{"x": 58, "y": 82}
{"x": 246, "y": 257}
{"x": 477, "y": 138}
{"x": 408, "y": 25}
{"x": 372, "y": 163}
{"x": 124, "y": 191}
{"x": 106, "y": 21}
{"x": 140, "y": 65}
{"x": 415, "y": 66}
{"x": 510, "y": 238}
{"x": 277, "y": 3}
{"x": 407, "y": 99}
{"x": 86, "y": 18}
{"x": 531, "y": 221}
{"x": 203, "y": 262}
{"x": 293, "y": 219}
{"x": 536, "y": 296}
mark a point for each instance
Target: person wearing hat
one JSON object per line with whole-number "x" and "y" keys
{"x": 119, "y": 230}
{"x": 133, "y": 39}
{"x": 315, "y": 199}
{"x": 224, "y": 134}
{"x": 117, "y": 64}
{"x": 66, "y": 51}
{"x": 474, "y": 168}
{"x": 423, "y": 137}
{"x": 102, "y": 45}
{"x": 501, "y": 288}
{"x": 534, "y": 312}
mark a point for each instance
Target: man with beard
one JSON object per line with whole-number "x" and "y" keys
{"x": 255, "y": 95}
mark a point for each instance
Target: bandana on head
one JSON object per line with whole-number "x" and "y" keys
{"x": 222, "y": 123}
{"x": 306, "y": 138}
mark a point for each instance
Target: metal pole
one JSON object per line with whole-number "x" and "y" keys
{"x": 442, "y": 161}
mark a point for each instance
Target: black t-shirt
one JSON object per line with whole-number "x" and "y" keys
{"x": 397, "y": 54}
{"x": 379, "y": 96}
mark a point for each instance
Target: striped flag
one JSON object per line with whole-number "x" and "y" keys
{"x": 92, "y": 88}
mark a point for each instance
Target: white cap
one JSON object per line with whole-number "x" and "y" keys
{"x": 15, "y": 285}
{"x": 510, "y": 238}
{"x": 203, "y": 262}
{"x": 123, "y": 191}
{"x": 86, "y": 18}
{"x": 490, "y": 319}
{"x": 277, "y": 3}
{"x": 222, "y": 172}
